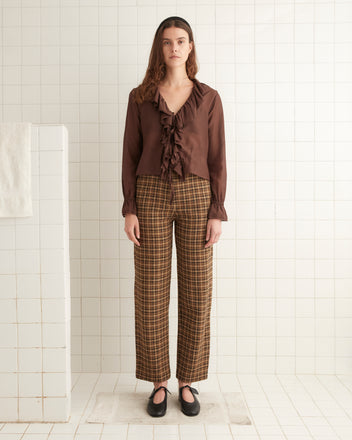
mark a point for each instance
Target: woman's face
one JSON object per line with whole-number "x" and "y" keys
{"x": 176, "y": 46}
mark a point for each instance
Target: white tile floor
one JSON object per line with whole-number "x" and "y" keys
{"x": 281, "y": 407}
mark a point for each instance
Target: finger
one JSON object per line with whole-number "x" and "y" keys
{"x": 210, "y": 242}
{"x": 132, "y": 237}
{"x": 137, "y": 231}
{"x": 135, "y": 241}
{"x": 213, "y": 238}
{"x": 216, "y": 238}
{"x": 208, "y": 233}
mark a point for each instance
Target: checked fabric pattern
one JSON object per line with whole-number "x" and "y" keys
{"x": 157, "y": 214}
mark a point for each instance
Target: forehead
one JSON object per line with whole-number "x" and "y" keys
{"x": 174, "y": 33}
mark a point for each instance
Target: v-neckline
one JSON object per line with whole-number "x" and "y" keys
{"x": 173, "y": 113}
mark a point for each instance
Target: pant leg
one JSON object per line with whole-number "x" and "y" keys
{"x": 195, "y": 279}
{"x": 152, "y": 279}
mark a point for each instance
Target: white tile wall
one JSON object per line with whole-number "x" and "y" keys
{"x": 282, "y": 293}
{"x": 35, "y": 363}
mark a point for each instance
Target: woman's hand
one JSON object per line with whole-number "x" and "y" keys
{"x": 132, "y": 228}
{"x": 213, "y": 231}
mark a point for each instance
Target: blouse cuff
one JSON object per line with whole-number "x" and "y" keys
{"x": 217, "y": 211}
{"x": 129, "y": 207}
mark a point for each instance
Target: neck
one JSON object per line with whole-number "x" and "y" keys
{"x": 176, "y": 78}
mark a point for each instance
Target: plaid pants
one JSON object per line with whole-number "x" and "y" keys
{"x": 156, "y": 215}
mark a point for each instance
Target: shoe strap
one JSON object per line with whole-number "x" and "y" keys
{"x": 193, "y": 390}
{"x": 155, "y": 390}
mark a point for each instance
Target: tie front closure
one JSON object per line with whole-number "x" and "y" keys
{"x": 175, "y": 155}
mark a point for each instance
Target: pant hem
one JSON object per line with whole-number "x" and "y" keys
{"x": 149, "y": 379}
{"x": 197, "y": 379}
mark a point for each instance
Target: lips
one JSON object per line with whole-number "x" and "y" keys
{"x": 174, "y": 57}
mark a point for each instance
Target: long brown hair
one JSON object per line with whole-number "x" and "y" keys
{"x": 156, "y": 69}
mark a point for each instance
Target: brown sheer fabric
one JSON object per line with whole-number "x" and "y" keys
{"x": 158, "y": 141}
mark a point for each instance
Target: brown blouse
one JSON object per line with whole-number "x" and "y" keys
{"x": 191, "y": 141}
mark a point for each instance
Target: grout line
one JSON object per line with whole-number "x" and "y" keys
{"x": 272, "y": 409}
{"x": 287, "y": 393}
{"x": 100, "y": 317}
{"x": 81, "y": 422}
{"x": 2, "y": 64}
{"x": 315, "y": 219}
{"x": 39, "y": 216}
{"x": 243, "y": 394}
{"x": 276, "y": 356}
{"x": 294, "y": 191}
{"x": 317, "y": 405}
{"x": 348, "y": 414}
{"x": 255, "y": 200}
{"x": 16, "y": 280}
{"x": 234, "y": 205}
{"x": 80, "y": 193}
{"x": 333, "y": 183}
{"x": 120, "y": 221}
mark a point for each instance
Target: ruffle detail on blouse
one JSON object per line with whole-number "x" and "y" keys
{"x": 129, "y": 207}
{"x": 217, "y": 210}
{"x": 173, "y": 152}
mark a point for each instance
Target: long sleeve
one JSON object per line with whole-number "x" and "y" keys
{"x": 217, "y": 160}
{"x": 132, "y": 149}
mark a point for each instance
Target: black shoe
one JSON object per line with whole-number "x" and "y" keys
{"x": 189, "y": 408}
{"x": 157, "y": 409}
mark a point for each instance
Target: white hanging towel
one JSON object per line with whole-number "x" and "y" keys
{"x": 15, "y": 169}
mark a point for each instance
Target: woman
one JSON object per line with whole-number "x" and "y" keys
{"x": 173, "y": 173}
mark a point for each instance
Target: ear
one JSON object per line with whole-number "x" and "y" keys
{"x": 190, "y": 46}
